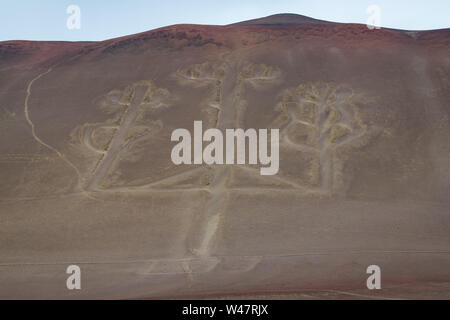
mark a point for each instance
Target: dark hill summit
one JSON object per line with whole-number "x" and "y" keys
{"x": 281, "y": 19}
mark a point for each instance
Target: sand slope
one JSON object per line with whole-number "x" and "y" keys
{"x": 86, "y": 176}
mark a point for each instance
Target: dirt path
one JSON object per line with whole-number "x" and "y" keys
{"x": 39, "y": 140}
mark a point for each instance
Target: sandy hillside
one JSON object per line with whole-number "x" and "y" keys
{"x": 86, "y": 176}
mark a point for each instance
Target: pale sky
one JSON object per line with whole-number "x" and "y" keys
{"x": 105, "y": 19}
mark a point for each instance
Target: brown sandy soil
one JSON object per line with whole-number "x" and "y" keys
{"x": 86, "y": 176}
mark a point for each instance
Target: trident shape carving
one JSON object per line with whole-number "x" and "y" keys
{"x": 129, "y": 107}
{"x": 229, "y": 80}
{"x": 320, "y": 119}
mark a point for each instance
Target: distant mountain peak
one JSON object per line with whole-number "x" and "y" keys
{"x": 281, "y": 19}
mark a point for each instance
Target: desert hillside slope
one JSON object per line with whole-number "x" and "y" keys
{"x": 86, "y": 176}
